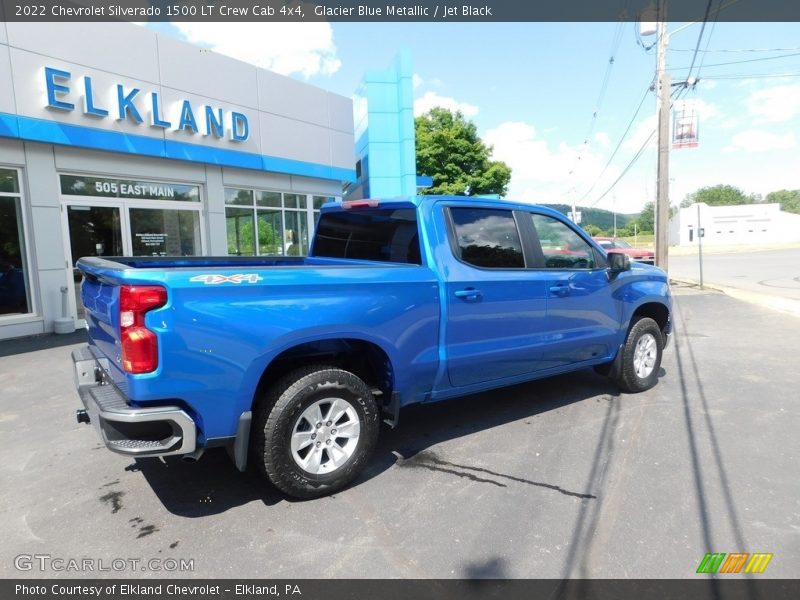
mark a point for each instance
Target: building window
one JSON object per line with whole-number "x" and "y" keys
{"x": 14, "y": 277}
{"x": 270, "y": 223}
{"x": 317, "y": 202}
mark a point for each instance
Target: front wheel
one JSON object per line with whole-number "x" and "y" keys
{"x": 316, "y": 431}
{"x": 641, "y": 356}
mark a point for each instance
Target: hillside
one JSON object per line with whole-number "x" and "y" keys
{"x": 604, "y": 219}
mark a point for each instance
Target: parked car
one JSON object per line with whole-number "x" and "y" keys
{"x": 292, "y": 362}
{"x": 617, "y": 245}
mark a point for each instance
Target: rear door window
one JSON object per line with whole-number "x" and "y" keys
{"x": 487, "y": 238}
{"x": 385, "y": 235}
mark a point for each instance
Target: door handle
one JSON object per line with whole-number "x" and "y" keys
{"x": 469, "y": 294}
{"x": 559, "y": 290}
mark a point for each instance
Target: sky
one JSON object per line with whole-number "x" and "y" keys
{"x": 554, "y": 107}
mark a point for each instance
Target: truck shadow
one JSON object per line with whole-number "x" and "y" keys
{"x": 209, "y": 486}
{"x": 424, "y": 426}
{"x": 213, "y": 485}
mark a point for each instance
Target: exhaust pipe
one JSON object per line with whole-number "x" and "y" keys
{"x": 82, "y": 416}
{"x": 193, "y": 457}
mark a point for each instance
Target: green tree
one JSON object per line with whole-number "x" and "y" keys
{"x": 269, "y": 241}
{"x": 593, "y": 230}
{"x": 646, "y": 219}
{"x": 788, "y": 199}
{"x": 720, "y": 195}
{"x": 449, "y": 150}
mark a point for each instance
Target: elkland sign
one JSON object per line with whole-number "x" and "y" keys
{"x": 131, "y": 103}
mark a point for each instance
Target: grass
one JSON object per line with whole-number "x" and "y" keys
{"x": 641, "y": 241}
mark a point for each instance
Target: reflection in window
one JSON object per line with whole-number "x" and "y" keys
{"x": 163, "y": 232}
{"x": 488, "y": 238}
{"x": 294, "y": 201}
{"x": 270, "y": 232}
{"x": 562, "y": 247}
{"x": 270, "y": 199}
{"x": 14, "y": 292}
{"x": 280, "y": 220}
{"x": 296, "y": 233}
{"x": 240, "y": 197}
{"x": 239, "y": 224}
{"x": 379, "y": 234}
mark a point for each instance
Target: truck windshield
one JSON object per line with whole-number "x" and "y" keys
{"x": 386, "y": 235}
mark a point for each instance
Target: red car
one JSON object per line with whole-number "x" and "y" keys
{"x": 617, "y": 245}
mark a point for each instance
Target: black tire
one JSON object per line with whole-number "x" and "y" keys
{"x": 627, "y": 378}
{"x": 281, "y": 411}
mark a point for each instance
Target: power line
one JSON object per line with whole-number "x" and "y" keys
{"x": 625, "y": 170}
{"x": 700, "y": 38}
{"x": 619, "y": 145}
{"x": 752, "y": 76}
{"x": 616, "y": 40}
{"x": 738, "y": 62}
{"x": 639, "y": 152}
{"x": 738, "y": 50}
{"x": 708, "y": 41}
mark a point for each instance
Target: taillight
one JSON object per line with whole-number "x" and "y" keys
{"x": 139, "y": 344}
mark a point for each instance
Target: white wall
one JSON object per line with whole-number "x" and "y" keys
{"x": 739, "y": 224}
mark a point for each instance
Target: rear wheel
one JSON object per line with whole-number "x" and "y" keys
{"x": 641, "y": 356}
{"x": 316, "y": 430}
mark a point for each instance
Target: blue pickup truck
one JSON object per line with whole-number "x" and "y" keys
{"x": 292, "y": 363}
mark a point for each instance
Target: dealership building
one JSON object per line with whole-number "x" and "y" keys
{"x": 116, "y": 140}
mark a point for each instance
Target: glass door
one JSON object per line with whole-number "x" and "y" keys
{"x": 164, "y": 232}
{"x": 93, "y": 231}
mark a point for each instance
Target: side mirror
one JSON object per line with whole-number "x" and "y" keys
{"x": 618, "y": 262}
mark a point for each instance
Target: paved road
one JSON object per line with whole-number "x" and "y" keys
{"x": 773, "y": 272}
{"x": 564, "y": 477}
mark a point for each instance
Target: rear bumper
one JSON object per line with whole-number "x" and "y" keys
{"x": 129, "y": 430}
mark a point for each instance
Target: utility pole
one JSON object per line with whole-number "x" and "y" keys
{"x": 663, "y": 94}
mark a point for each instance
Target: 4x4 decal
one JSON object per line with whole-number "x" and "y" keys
{"x": 239, "y": 278}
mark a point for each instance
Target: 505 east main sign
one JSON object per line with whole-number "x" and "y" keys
{"x": 131, "y": 103}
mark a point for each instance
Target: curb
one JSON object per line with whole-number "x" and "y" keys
{"x": 784, "y": 305}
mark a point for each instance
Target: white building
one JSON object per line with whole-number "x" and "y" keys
{"x": 115, "y": 140}
{"x": 737, "y": 224}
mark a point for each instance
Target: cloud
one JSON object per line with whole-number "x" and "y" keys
{"x": 640, "y": 134}
{"x": 546, "y": 173}
{"x": 706, "y": 110}
{"x": 418, "y": 82}
{"x": 774, "y": 105}
{"x": 758, "y": 140}
{"x": 432, "y": 99}
{"x": 602, "y": 139}
{"x": 286, "y": 48}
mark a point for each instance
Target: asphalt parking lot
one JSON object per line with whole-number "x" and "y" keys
{"x": 774, "y": 272}
{"x": 561, "y": 477}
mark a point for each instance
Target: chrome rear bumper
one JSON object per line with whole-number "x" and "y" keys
{"x": 126, "y": 429}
